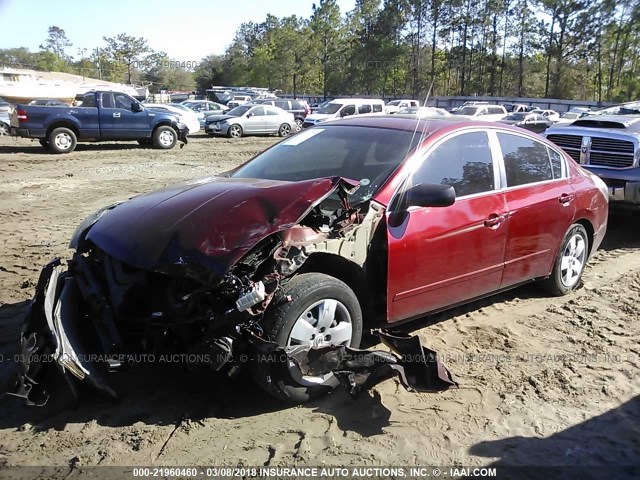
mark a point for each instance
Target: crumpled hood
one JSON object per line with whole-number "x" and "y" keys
{"x": 210, "y": 223}
{"x": 218, "y": 118}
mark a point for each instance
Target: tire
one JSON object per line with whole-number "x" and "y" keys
{"x": 235, "y": 131}
{"x": 164, "y": 137}
{"x": 299, "y": 123}
{"x": 284, "y": 130}
{"x": 570, "y": 262}
{"x": 306, "y": 295}
{"x": 62, "y": 140}
{"x": 4, "y": 129}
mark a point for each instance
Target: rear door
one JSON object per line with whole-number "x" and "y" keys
{"x": 272, "y": 119}
{"x": 541, "y": 206}
{"x": 255, "y": 121}
{"x": 442, "y": 256}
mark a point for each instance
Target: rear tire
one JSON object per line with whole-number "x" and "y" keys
{"x": 165, "y": 137}
{"x": 62, "y": 140}
{"x": 314, "y": 297}
{"x": 284, "y": 130}
{"x": 4, "y": 129}
{"x": 570, "y": 262}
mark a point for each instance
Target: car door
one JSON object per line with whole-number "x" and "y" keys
{"x": 540, "y": 202}
{"x": 125, "y": 123}
{"x": 442, "y": 256}
{"x": 255, "y": 121}
{"x": 273, "y": 119}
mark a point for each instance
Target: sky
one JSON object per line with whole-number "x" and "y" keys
{"x": 186, "y": 30}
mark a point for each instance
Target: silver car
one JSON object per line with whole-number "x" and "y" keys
{"x": 251, "y": 119}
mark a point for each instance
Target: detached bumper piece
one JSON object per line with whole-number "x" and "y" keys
{"x": 417, "y": 367}
{"x": 49, "y": 339}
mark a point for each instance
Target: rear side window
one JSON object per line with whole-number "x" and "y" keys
{"x": 89, "y": 101}
{"x": 377, "y": 107}
{"x": 464, "y": 162}
{"x": 283, "y": 104}
{"x": 107, "y": 100}
{"x": 526, "y": 161}
{"x": 364, "y": 109}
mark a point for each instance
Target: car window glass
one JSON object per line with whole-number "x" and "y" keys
{"x": 525, "y": 160}
{"x": 348, "y": 110}
{"x": 282, "y": 104}
{"x": 556, "y": 163}
{"x": 271, "y": 111}
{"x": 122, "y": 101}
{"x": 107, "y": 100}
{"x": 258, "y": 111}
{"x": 464, "y": 162}
{"x": 90, "y": 100}
{"x": 364, "y": 109}
{"x": 377, "y": 107}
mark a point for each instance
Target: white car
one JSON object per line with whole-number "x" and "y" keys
{"x": 186, "y": 116}
{"x": 550, "y": 114}
{"x": 238, "y": 100}
{"x": 489, "y": 113}
{"x": 394, "y": 106}
{"x": 423, "y": 112}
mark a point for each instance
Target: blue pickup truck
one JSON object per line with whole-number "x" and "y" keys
{"x": 103, "y": 116}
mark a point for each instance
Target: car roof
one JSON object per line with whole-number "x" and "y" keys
{"x": 425, "y": 126}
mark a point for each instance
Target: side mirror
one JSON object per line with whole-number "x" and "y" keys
{"x": 250, "y": 114}
{"x": 431, "y": 195}
{"x": 421, "y": 195}
{"x": 136, "y": 107}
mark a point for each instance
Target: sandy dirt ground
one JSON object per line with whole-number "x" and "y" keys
{"x": 543, "y": 381}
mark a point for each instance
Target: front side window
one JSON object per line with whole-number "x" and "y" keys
{"x": 525, "y": 160}
{"x": 257, "y": 111}
{"x": 122, "y": 101}
{"x": 348, "y": 110}
{"x": 464, "y": 162}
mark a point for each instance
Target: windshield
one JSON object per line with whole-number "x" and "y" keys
{"x": 571, "y": 115}
{"x": 239, "y": 111}
{"x": 330, "y": 108}
{"x": 466, "y": 111}
{"x": 516, "y": 116}
{"x": 366, "y": 154}
{"x": 394, "y": 103}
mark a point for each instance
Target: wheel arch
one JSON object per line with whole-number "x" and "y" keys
{"x": 63, "y": 124}
{"x": 344, "y": 270}
{"x": 588, "y": 226}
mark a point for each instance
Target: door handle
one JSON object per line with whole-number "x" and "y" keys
{"x": 566, "y": 198}
{"x": 494, "y": 220}
{"x": 116, "y": 115}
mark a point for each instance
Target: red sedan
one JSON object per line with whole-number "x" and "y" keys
{"x": 355, "y": 223}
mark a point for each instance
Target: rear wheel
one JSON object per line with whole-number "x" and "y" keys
{"x": 570, "y": 262}
{"x": 62, "y": 140}
{"x": 316, "y": 310}
{"x": 285, "y": 130}
{"x": 165, "y": 137}
{"x": 299, "y": 123}
{"x": 4, "y": 129}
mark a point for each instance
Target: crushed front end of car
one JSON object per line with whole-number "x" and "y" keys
{"x": 188, "y": 272}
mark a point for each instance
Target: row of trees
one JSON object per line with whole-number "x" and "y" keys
{"x": 580, "y": 49}
{"x": 122, "y": 58}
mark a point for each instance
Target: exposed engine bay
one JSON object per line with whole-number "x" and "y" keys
{"x": 168, "y": 287}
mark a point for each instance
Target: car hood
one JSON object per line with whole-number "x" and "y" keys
{"x": 204, "y": 227}
{"x": 218, "y": 118}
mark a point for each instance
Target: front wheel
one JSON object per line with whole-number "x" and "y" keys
{"x": 313, "y": 310}
{"x": 570, "y": 262}
{"x": 62, "y": 140}
{"x": 165, "y": 137}
{"x": 4, "y": 128}
{"x": 235, "y": 131}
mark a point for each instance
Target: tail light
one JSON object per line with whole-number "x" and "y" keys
{"x": 307, "y": 109}
{"x": 22, "y": 115}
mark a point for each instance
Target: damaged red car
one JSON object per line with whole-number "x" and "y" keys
{"x": 352, "y": 224}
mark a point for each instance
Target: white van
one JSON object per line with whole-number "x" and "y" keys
{"x": 343, "y": 107}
